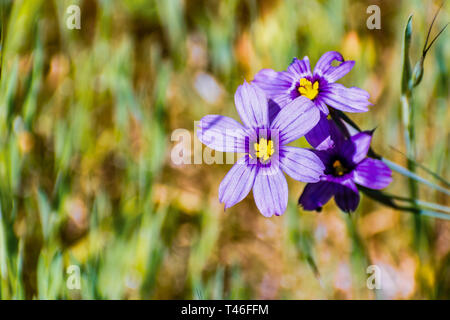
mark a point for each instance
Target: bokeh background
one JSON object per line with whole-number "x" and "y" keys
{"x": 86, "y": 177}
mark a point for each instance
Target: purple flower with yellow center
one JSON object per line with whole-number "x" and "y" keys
{"x": 318, "y": 86}
{"x": 346, "y": 166}
{"x": 263, "y": 143}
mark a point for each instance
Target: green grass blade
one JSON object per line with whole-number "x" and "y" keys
{"x": 415, "y": 177}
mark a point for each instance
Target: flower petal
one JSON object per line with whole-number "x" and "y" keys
{"x": 337, "y": 135}
{"x": 237, "y": 183}
{"x": 295, "y": 120}
{"x": 357, "y": 146}
{"x": 321, "y": 105}
{"x": 221, "y": 133}
{"x": 319, "y": 137}
{"x": 373, "y": 174}
{"x": 316, "y": 195}
{"x": 301, "y": 164}
{"x": 330, "y": 73}
{"x": 300, "y": 68}
{"x": 251, "y": 104}
{"x": 270, "y": 191}
{"x": 274, "y": 108}
{"x": 347, "y": 196}
{"x": 346, "y": 99}
{"x": 273, "y": 83}
{"x": 335, "y": 73}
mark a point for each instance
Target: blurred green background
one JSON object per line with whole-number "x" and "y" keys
{"x": 86, "y": 178}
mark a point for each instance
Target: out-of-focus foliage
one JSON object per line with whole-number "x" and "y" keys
{"x": 86, "y": 118}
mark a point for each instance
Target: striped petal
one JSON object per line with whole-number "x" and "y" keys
{"x": 237, "y": 183}
{"x": 300, "y": 68}
{"x": 330, "y": 73}
{"x": 276, "y": 85}
{"x": 295, "y": 120}
{"x": 251, "y": 104}
{"x": 346, "y": 99}
{"x": 270, "y": 191}
{"x": 301, "y": 164}
{"x": 221, "y": 133}
{"x": 373, "y": 174}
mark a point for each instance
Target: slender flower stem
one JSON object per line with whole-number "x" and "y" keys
{"x": 409, "y": 133}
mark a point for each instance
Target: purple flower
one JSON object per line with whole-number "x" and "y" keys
{"x": 346, "y": 164}
{"x": 264, "y": 145}
{"x": 318, "y": 86}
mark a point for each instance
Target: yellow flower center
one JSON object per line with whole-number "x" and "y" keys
{"x": 339, "y": 169}
{"x": 308, "y": 89}
{"x": 264, "y": 149}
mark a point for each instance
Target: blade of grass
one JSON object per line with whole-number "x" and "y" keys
{"x": 421, "y": 166}
{"x": 412, "y": 176}
{"x": 388, "y": 200}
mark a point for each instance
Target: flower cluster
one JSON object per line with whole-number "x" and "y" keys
{"x": 277, "y": 108}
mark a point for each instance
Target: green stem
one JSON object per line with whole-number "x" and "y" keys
{"x": 409, "y": 134}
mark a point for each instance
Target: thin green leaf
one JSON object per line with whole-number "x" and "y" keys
{"x": 421, "y": 203}
{"x": 414, "y": 176}
{"x": 434, "y": 214}
{"x": 421, "y": 166}
{"x": 388, "y": 200}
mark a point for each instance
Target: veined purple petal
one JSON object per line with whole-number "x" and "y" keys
{"x": 357, "y": 146}
{"x": 347, "y": 196}
{"x": 237, "y": 183}
{"x": 316, "y": 195}
{"x": 276, "y": 85}
{"x": 273, "y": 83}
{"x": 324, "y": 62}
{"x": 319, "y": 137}
{"x": 270, "y": 191}
{"x": 346, "y": 99}
{"x": 301, "y": 164}
{"x": 251, "y": 104}
{"x": 373, "y": 174}
{"x": 335, "y": 73}
{"x": 295, "y": 120}
{"x": 300, "y": 68}
{"x": 221, "y": 133}
{"x": 330, "y": 73}
{"x": 321, "y": 105}
{"x": 283, "y": 99}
